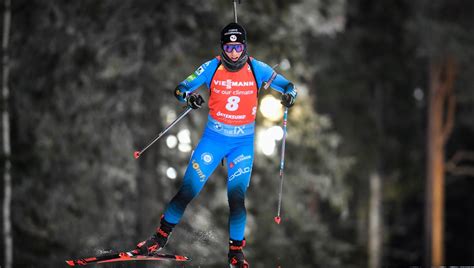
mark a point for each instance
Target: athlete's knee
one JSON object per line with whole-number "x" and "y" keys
{"x": 236, "y": 199}
{"x": 184, "y": 196}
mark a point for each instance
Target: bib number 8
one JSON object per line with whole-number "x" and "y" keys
{"x": 232, "y": 103}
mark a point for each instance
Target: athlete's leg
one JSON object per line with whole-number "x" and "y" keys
{"x": 240, "y": 161}
{"x": 203, "y": 162}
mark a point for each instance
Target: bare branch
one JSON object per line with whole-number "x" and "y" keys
{"x": 454, "y": 166}
{"x": 460, "y": 171}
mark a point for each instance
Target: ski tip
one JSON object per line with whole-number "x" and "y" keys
{"x": 277, "y": 219}
{"x": 182, "y": 258}
{"x": 70, "y": 263}
{"x": 136, "y": 154}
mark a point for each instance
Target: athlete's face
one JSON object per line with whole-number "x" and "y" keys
{"x": 233, "y": 47}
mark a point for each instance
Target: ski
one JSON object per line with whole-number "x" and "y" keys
{"x": 126, "y": 256}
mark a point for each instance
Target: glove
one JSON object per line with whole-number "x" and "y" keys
{"x": 288, "y": 99}
{"x": 195, "y": 101}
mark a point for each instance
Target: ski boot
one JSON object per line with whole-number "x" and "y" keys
{"x": 157, "y": 241}
{"x": 236, "y": 255}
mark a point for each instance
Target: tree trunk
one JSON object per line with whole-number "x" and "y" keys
{"x": 375, "y": 182}
{"x": 440, "y": 123}
{"x": 7, "y": 195}
{"x": 375, "y": 223}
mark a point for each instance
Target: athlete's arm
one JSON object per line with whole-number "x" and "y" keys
{"x": 202, "y": 75}
{"x": 263, "y": 72}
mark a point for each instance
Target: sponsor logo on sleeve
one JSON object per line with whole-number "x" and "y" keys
{"x": 191, "y": 77}
{"x": 199, "y": 70}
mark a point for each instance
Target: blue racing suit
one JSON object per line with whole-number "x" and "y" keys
{"x": 228, "y": 134}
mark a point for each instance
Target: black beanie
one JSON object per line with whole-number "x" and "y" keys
{"x": 233, "y": 32}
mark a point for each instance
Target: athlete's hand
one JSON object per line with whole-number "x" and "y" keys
{"x": 195, "y": 101}
{"x": 288, "y": 99}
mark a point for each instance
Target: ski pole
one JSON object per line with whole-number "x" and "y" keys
{"x": 235, "y": 9}
{"x": 282, "y": 165}
{"x": 137, "y": 154}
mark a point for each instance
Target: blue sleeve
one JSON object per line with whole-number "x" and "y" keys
{"x": 263, "y": 72}
{"x": 202, "y": 75}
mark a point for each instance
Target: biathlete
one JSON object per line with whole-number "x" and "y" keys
{"x": 233, "y": 80}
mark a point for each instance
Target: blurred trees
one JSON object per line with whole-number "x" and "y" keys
{"x": 6, "y": 144}
{"x": 381, "y": 62}
{"x": 101, "y": 77}
{"x": 92, "y": 80}
{"x": 445, "y": 40}
{"x": 364, "y": 83}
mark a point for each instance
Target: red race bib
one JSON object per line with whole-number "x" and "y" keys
{"x": 233, "y": 97}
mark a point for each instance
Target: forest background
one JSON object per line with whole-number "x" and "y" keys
{"x": 380, "y": 143}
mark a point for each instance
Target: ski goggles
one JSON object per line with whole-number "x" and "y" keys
{"x": 229, "y": 47}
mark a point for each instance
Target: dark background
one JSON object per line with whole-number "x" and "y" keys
{"x": 91, "y": 81}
